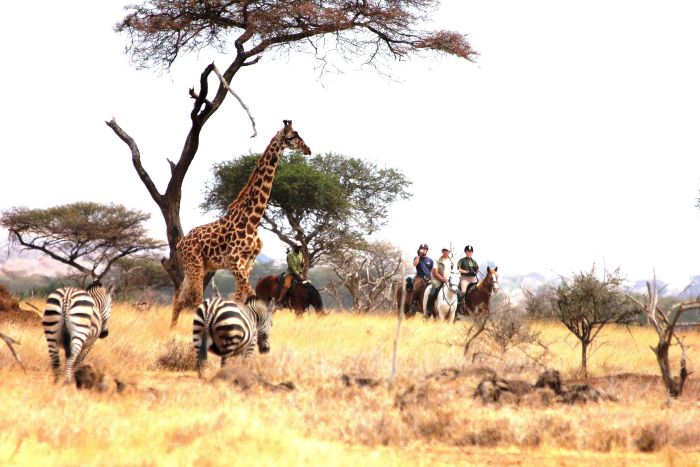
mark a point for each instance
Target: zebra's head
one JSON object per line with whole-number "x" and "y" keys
{"x": 103, "y": 302}
{"x": 263, "y": 317}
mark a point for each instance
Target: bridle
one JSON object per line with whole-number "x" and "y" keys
{"x": 494, "y": 284}
{"x": 449, "y": 286}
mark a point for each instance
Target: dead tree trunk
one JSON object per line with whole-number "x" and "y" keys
{"x": 664, "y": 323}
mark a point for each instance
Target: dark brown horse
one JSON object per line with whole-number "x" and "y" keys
{"x": 300, "y": 296}
{"x": 478, "y": 298}
{"x": 409, "y": 309}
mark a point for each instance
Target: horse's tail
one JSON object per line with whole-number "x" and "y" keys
{"x": 313, "y": 298}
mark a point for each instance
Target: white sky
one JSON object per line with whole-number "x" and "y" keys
{"x": 573, "y": 139}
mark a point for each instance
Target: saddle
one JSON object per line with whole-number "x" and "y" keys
{"x": 280, "y": 283}
{"x": 470, "y": 288}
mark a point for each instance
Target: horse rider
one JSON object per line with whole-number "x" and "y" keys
{"x": 441, "y": 274}
{"x": 295, "y": 269}
{"x": 424, "y": 268}
{"x": 468, "y": 269}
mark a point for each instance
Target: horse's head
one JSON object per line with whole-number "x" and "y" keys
{"x": 491, "y": 279}
{"x": 453, "y": 282}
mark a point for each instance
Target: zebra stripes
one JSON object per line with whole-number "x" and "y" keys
{"x": 227, "y": 329}
{"x": 75, "y": 318}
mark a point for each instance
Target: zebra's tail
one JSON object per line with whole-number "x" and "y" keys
{"x": 63, "y": 329}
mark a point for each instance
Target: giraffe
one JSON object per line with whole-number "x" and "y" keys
{"x": 232, "y": 242}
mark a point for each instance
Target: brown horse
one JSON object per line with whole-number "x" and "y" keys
{"x": 478, "y": 298}
{"x": 409, "y": 309}
{"x": 300, "y": 296}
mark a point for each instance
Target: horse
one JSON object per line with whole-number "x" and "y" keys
{"x": 409, "y": 308}
{"x": 445, "y": 305}
{"x": 300, "y": 296}
{"x": 478, "y": 298}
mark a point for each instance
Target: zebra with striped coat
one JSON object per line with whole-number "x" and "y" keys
{"x": 227, "y": 329}
{"x": 75, "y": 318}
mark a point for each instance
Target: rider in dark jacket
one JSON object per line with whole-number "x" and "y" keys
{"x": 424, "y": 269}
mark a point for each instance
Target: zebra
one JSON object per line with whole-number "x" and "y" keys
{"x": 227, "y": 329}
{"x": 75, "y": 318}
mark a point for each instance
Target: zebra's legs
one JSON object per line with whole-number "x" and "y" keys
{"x": 76, "y": 347}
{"x": 83, "y": 354}
{"x": 55, "y": 361}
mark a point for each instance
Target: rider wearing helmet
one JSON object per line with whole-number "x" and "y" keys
{"x": 468, "y": 268}
{"x": 424, "y": 268}
{"x": 441, "y": 275}
{"x": 295, "y": 269}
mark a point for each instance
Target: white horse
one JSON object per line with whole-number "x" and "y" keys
{"x": 446, "y": 302}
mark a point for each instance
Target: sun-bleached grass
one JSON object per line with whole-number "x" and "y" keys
{"x": 184, "y": 420}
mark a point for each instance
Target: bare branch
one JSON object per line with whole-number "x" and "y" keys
{"x": 240, "y": 101}
{"x": 10, "y": 341}
{"x": 34, "y": 309}
{"x": 136, "y": 160}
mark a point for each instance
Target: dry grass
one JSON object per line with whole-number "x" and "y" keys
{"x": 187, "y": 421}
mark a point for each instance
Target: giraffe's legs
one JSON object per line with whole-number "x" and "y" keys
{"x": 190, "y": 295}
{"x": 243, "y": 288}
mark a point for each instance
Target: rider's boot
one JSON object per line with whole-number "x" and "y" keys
{"x": 282, "y": 294}
{"x": 431, "y": 301}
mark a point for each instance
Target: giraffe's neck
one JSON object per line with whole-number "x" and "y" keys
{"x": 256, "y": 193}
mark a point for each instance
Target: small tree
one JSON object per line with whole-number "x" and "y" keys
{"x": 586, "y": 304}
{"x": 368, "y": 272}
{"x": 326, "y": 203}
{"x": 89, "y": 237}
{"x": 664, "y": 323}
{"x": 133, "y": 275}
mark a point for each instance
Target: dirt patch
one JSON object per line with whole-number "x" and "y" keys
{"x": 244, "y": 379}
{"x": 441, "y": 386}
{"x": 90, "y": 378}
{"x": 547, "y": 389}
{"x": 361, "y": 381}
{"x": 10, "y": 311}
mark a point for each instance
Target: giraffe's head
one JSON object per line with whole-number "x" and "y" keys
{"x": 292, "y": 140}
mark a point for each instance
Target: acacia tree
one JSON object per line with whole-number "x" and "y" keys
{"x": 326, "y": 202}
{"x": 160, "y": 31}
{"x": 586, "y": 304}
{"x": 89, "y": 237}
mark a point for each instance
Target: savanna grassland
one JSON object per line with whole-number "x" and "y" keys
{"x": 167, "y": 416}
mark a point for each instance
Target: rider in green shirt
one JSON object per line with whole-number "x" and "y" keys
{"x": 468, "y": 268}
{"x": 295, "y": 268}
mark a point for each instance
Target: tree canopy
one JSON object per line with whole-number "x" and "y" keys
{"x": 585, "y": 304}
{"x": 89, "y": 237}
{"x": 158, "y": 32}
{"x": 324, "y": 202}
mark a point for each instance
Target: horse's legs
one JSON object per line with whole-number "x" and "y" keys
{"x": 426, "y": 296}
{"x": 451, "y": 313}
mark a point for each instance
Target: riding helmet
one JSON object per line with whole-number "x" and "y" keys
{"x": 423, "y": 245}
{"x": 468, "y": 248}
